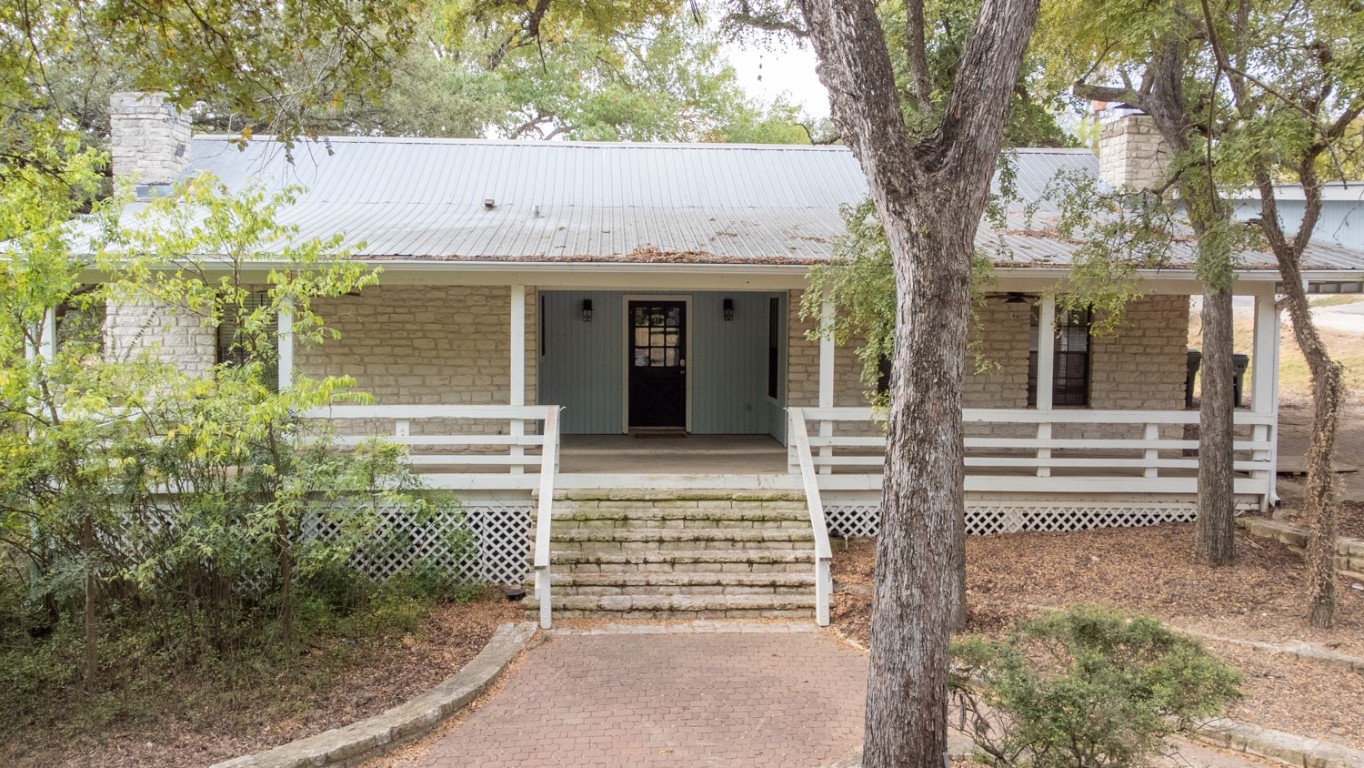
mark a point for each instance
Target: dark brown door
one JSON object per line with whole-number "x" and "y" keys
{"x": 658, "y": 364}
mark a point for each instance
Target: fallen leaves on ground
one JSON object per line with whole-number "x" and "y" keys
{"x": 319, "y": 695}
{"x": 1152, "y": 571}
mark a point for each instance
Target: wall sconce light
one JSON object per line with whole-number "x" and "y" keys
{"x": 587, "y": 310}
{"x": 729, "y": 309}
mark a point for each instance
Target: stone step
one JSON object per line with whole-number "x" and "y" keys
{"x": 680, "y": 517}
{"x": 736, "y": 537}
{"x": 679, "y": 606}
{"x": 644, "y": 494}
{"x": 643, "y": 583}
{"x": 724, "y": 561}
{"x": 710, "y": 578}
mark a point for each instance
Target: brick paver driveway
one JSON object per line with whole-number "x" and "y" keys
{"x": 772, "y": 695}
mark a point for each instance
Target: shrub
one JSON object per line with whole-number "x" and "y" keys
{"x": 1084, "y": 688}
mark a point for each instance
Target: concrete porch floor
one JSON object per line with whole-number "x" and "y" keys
{"x": 692, "y": 454}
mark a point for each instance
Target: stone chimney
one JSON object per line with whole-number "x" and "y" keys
{"x": 1132, "y": 153}
{"x": 149, "y": 140}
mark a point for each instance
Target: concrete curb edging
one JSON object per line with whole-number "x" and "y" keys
{"x": 1277, "y": 745}
{"x": 367, "y": 738}
{"x": 1303, "y": 651}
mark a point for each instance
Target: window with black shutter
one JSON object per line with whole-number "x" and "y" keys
{"x": 232, "y": 348}
{"x": 1070, "y": 360}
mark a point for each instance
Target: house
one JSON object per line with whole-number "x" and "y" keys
{"x": 1342, "y": 211}
{"x": 543, "y": 307}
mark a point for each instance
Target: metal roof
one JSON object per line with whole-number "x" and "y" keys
{"x": 487, "y": 200}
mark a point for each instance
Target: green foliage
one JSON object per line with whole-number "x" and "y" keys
{"x": 1084, "y": 687}
{"x": 1032, "y": 115}
{"x": 150, "y": 512}
{"x": 860, "y": 282}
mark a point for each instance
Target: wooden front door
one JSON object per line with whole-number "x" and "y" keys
{"x": 658, "y": 364}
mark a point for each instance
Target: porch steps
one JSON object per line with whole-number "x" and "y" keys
{"x": 681, "y": 555}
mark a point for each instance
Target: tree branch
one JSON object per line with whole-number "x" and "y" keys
{"x": 981, "y": 94}
{"x": 917, "y": 55}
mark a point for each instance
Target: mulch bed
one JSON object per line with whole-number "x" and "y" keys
{"x": 1350, "y": 520}
{"x": 315, "y": 697}
{"x": 1152, "y": 571}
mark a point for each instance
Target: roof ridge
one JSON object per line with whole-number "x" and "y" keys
{"x": 553, "y": 144}
{"x": 566, "y": 144}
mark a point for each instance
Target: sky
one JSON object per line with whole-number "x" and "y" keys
{"x": 768, "y": 70}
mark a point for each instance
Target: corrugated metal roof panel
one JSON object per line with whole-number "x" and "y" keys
{"x": 424, "y": 199}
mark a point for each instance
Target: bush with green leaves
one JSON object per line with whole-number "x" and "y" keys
{"x": 138, "y": 502}
{"x": 1084, "y": 688}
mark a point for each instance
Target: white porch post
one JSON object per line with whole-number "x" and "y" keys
{"x": 518, "y": 368}
{"x": 826, "y": 377}
{"x": 1264, "y": 394}
{"x": 286, "y": 343}
{"x": 1046, "y": 374}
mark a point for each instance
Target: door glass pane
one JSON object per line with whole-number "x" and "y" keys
{"x": 670, "y": 359}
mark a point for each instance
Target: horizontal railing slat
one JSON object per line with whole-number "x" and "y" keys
{"x": 414, "y": 412}
{"x": 442, "y": 440}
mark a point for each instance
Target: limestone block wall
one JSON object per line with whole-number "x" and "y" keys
{"x": 1139, "y": 366}
{"x": 1132, "y": 153}
{"x": 997, "y": 361}
{"x": 148, "y": 139}
{"x": 171, "y": 334}
{"x": 802, "y": 364}
{"x": 447, "y": 345}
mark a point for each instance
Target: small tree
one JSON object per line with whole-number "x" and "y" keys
{"x": 1084, "y": 687}
{"x": 129, "y": 483}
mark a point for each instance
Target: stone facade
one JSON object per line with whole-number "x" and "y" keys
{"x": 450, "y": 345}
{"x": 997, "y": 363}
{"x": 802, "y": 364}
{"x": 175, "y": 336}
{"x": 149, "y": 139}
{"x": 446, "y": 345}
{"x": 1140, "y": 366}
{"x": 1132, "y": 153}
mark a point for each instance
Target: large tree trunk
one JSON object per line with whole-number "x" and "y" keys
{"x": 1210, "y": 217}
{"x": 930, "y": 196}
{"x": 1215, "y": 537}
{"x": 920, "y": 556}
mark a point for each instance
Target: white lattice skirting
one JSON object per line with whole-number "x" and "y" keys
{"x": 482, "y": 542}
{"x": 861, "y": 518}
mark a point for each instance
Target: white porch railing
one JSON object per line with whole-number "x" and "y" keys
{"x": 458, "y": 447}
{"x": 799, "y": 440}
{"x": 486, "y": 446}
{"x": 1058, "y": 451}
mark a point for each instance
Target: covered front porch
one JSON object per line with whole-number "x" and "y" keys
{"x": 1045, "y": 466}
{"x": 752, "y": 380}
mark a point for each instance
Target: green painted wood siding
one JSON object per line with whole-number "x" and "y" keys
{"x": 581, "y": 363}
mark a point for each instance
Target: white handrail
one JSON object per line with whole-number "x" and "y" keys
{"x": 800, "y": 441}
{"x": 544, "y": 515}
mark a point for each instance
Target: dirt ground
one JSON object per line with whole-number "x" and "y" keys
{"x": 1151, "y": 570}
{"x": 314, "y": 698}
